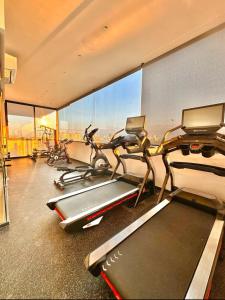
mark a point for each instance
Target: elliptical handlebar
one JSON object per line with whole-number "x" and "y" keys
{"x": 116, "y": 134}
{"x": 88, "y": 136}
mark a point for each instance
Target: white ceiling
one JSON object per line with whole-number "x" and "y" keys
{"x": 67, "y": 48}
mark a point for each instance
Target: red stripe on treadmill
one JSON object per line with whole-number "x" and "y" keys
{"x": 59, "y": 214}
{"x": 207, "y": 293}
{"x": 100, "y": 212}
{"x": 116, "y": 294}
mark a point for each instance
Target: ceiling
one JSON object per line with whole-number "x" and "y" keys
{"x": 68, "y": 48}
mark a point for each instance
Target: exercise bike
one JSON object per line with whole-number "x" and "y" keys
{"x": 59, "y": 153}
{"x": 99, "y": 164}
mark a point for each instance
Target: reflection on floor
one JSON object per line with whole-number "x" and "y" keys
{"x": 39, "y": 259}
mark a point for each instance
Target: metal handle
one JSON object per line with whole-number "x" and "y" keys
{"x": 169, "y": 132}
{"x": 116, "y": 134}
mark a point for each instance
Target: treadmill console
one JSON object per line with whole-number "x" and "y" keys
{"x": 197, "y": 148}
{"x": 203, "y": 120}
{"x": 135, "y": 125}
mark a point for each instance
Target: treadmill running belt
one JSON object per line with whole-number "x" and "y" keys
{"x": 82, "y": 202}
{"x": 160, "y": 258}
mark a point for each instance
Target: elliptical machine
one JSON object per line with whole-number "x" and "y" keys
{"x": 99, "y": 163}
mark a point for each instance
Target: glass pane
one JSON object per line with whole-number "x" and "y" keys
{"x": 106, "y": 109}
{"x": 44, "y": 117}
{"x": 75, "y": 117}
{"x": 20, "y": 129}
{"x": 45, "y": 121}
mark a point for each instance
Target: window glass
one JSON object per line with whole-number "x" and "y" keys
{"x": 20, "y": 129}
{"x": 20, "y": 121}
{"x": 44, "y": 117}
{"x": 25, "y": 133}
{"x": 106, "y": 109}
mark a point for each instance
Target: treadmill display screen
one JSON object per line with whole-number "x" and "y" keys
{"x": 203, "y": 119}
{"x": 135, "y": 124}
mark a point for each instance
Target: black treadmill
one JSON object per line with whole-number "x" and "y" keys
{"x": 171, "y": 251}
{"x": 86, "y": 207}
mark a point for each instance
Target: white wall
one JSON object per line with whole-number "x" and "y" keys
{"x": 191, "y": 76}
{"x": 79, "y": 151}
{"x": 205, "y": 182}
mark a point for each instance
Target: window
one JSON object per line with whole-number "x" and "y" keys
{"x": 44, "y": 117}
{"x": 20, "y": 129}
{"x": 25, "y": 133}
{"x": 106, "y": 109}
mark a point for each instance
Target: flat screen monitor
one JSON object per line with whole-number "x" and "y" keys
{"x": 135, "y": 124}
{"x": 202, "y": 120}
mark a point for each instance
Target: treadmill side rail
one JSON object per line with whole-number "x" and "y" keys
{"x": 51, "y": 203}
{"x": 79, "y": 218}
{"x": 199, "y": 284}
{"x": 96, "y": 257}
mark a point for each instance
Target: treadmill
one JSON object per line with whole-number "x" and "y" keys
{"x": 86, "y": 207}
{"x": 171, "y": 251}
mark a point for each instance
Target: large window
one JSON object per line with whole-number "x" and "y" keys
{"x": 106, "y": 109}
{"x": 26, "y": 127}
{"x": 20, "y": 129}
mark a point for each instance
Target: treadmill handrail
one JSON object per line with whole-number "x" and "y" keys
{"x": 95, "y": 256}
{"x": 68, "y": 195}
{"x": 198, "y": 286}
{"x": 200, "y": 167}
{"x": 168, "y": 132}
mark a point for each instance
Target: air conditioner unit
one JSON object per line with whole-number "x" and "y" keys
{"x": 10, "y": 68}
